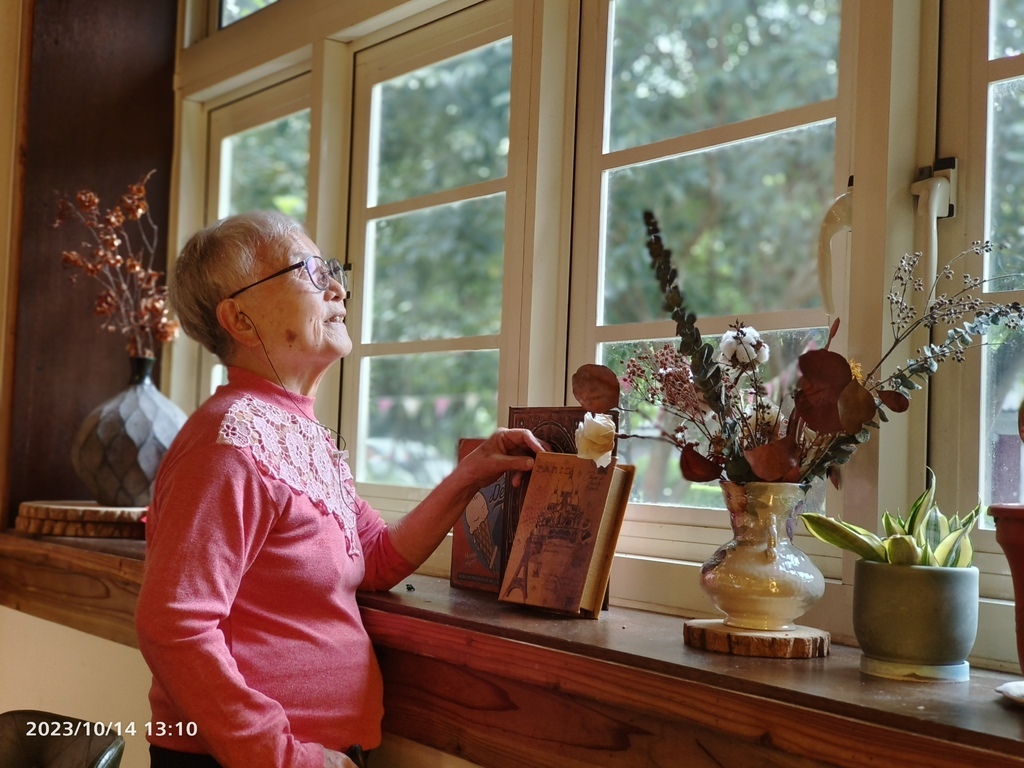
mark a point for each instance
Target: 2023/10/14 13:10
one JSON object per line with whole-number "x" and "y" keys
{"x": 130, "y": 728}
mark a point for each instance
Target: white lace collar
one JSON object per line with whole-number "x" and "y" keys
{"x": 298, "y": 452}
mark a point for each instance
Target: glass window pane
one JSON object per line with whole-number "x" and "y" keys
{"x": 437, "y": 273}
{"x": 444, "y": 126}
{"x": 419, "y": 407}
{"x": 1002, "y": 375}
{"x": 267, "y": 167}
{"x": 725, "y": 224}
{"x": 233, "y": 10}
{"x": 658, "y": 479}
{"x": 677, "y": 68}
{"x": 1006, "y": 184}
{"x": 1003, "y": 480}
{"x": 1006, "y": 28}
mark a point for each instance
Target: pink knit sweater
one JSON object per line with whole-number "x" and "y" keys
{"x": 256, "y": 545}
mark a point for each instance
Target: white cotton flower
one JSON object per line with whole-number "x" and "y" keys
{"x": 595, "y": 438}
{"x": 742, "y": 346}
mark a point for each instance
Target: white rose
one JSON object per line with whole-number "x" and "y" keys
{"x": 595, "y": 438}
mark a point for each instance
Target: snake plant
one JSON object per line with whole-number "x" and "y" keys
{"x": 924, "y": 537}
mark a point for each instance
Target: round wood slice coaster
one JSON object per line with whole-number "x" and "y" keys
{"x": 798, "y": 643}
{"x": 79, "y": 528}
{"x": 80, "y": 511}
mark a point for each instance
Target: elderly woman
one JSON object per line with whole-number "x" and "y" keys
{"x": 257, "y": 541}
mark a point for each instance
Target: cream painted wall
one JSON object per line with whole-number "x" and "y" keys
{"x": 51, "y": 667}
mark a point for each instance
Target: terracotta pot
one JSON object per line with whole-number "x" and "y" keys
{"x": 1010, "y": 536}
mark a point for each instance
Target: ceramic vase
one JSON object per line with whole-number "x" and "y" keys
{"x": 915, "y": 622}
{"x": 1010, "y": 537}
{"x": 118, "y": 448}
{"x": 760, "y": 579}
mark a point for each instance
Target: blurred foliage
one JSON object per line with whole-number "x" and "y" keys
{"x": 446, "y": 125}
{"x": 438, "y": 272}
{"x": 742, "y": 222}
{"x": 421, "y": 404}
{"x": 269, "y": 167}
{"x": 1007, "y": 28}
{"x": 725, "y": 212}
{"x": 679, "y": 68}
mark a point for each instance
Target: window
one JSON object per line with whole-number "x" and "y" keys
{"x": 1003, "y": 392}
{"x": 259, "y": 160}
{"x": 431, "y": 174}
{"x": 979, "y": 124}
{"x": 720, "y": 119}
{"x": 483, "y": 165}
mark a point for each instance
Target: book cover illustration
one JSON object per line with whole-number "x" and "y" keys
{"x": 478, "y": 536}
{"x": 568, "y": 526}
{"x": 554, "y": 425}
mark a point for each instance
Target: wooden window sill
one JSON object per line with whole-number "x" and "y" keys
{"x": 504, "y": 686}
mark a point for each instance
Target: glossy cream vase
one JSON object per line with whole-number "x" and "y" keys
{"x": 760, "y": 579}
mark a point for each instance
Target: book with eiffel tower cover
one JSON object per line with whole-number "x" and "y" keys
{"x": 561, "y": 555}
{"x": 556, "y": 426}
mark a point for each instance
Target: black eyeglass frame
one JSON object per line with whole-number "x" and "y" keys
{"x": 331, "y": 267}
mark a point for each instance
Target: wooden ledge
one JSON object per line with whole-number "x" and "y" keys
{"x": 87, "y": 584}
{"x": 506, "y": 686}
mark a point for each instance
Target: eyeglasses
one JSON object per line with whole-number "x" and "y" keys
{"x": 320, "y": 273}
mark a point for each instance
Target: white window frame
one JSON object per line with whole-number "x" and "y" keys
{"x": 460, "y": 33}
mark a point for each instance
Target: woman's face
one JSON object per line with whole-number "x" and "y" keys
{"x": 302, "y": 326}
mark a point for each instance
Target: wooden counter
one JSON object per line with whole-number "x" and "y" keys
{"x": 504, "y": 686}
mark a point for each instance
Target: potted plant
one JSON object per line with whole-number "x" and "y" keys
{"x": 915, "y": 592}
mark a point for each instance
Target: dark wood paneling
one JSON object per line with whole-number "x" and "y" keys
{"x": 100, "y": 114}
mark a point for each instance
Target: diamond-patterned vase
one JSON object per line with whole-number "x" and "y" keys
{"x": 120, "y": 445}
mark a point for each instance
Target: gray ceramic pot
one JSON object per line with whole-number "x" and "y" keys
{"x": 913, "y": 615}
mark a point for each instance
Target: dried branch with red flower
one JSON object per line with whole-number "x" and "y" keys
{"x": 131, "y": 300}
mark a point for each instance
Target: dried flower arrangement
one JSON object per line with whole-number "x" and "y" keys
{"x": 726, "y": 424}
{"x": 132, "y": 301}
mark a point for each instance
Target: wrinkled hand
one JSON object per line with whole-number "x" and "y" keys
{"x": 506, "y": 450}
{"x": 334, "y": 759}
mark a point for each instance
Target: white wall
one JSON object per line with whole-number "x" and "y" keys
{"x": 51, "y": 667}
